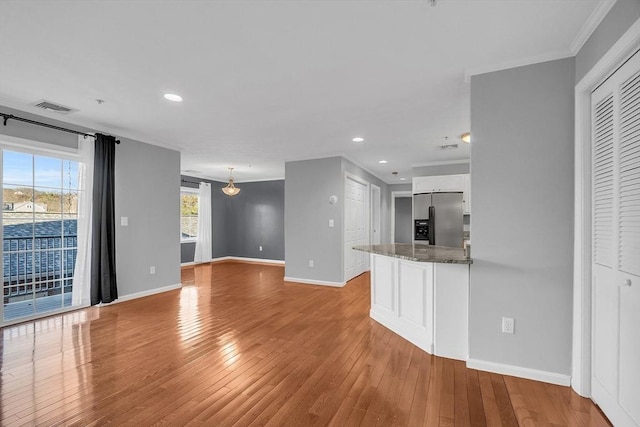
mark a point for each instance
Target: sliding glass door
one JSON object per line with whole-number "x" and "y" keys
{"x": 39, "y": 238}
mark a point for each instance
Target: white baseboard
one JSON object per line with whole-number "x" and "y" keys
{"x": 260, "y": 260}
{"x": 315, "y": 282}
{"x": 519, "y": 371}
{"x": 241, "y": 259}
{"x": 409, "y": 333}
{"x": 142, "y": 294}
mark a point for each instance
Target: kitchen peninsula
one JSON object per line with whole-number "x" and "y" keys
{"x": 421, "y": 293}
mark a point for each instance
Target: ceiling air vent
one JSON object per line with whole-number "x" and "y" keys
{"x": 449, "y": 147}
{"x": 56, "y": 108}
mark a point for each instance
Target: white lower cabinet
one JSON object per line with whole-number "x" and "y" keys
{"x": 425, "y": 303}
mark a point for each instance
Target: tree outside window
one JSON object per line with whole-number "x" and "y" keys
{"x": 188, "y": 214}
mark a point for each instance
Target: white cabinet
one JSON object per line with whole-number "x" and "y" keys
{"x": 425, "y": 184}
{"x": 423, "y": 302}
{"x": 450, "y": 183}
{"x": 442, "y": 183}
{"x": 430, "y": 184}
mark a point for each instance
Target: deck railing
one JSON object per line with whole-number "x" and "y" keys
{"x": 42, "y": 265}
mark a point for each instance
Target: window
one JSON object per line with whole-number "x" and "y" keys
{"x": 188, "y": 214}
{"x": 39, "y": 239}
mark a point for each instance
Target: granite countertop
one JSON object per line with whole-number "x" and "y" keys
{"x": 419, "y": 253}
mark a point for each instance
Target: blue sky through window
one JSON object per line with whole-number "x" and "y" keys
{"x": 18, "y": 169}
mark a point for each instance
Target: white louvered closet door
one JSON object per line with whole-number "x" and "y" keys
{"x": 616, "y": 244}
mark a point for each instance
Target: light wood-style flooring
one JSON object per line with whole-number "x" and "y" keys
{"x": 239, "y": 346}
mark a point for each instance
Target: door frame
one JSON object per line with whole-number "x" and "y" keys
{"x": 394, "y": 196}
{"x": 375, "y": 212}
{"x": 367, "y": 210}
{"x": 36, "y": 148}
{"x": 582, "y": 244}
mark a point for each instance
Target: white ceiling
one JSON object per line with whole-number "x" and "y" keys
{"x": 265, "y": 82}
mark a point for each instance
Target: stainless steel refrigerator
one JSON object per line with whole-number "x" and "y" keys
{"x": 438, "y": 219}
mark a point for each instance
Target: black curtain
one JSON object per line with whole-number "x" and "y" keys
{"x": 103, "y": 250}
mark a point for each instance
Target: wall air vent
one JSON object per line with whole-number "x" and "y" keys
{"x": 449, "y": 147}
{"x": 52, "y": 106}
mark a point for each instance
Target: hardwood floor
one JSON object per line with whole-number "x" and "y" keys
{"x": 238, "y": 346}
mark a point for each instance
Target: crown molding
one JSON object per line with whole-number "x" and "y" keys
{"x": 442, "y": 163}
{"x": 596, "y": 17}
{"x": 552, "y": 56}
{"x": 346, "y": 157}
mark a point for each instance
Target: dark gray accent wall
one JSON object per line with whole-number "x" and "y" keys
{"x": 621, "y": 16}
{"x": 257, "y": 219}
{"x": 435, "y": 170}
{"x": 241, "y": 224}
{"x": 187, "y": 251}
{"x": 147, "y": 187}
{"x": 403, "y": 219}
{"x": 522, "y": 185}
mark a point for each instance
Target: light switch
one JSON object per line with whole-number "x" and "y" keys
{"x": 124, "y": 221}
{"x": 331, "y": 223}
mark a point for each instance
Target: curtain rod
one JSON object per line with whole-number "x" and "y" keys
{"x": 190, "y": 182}
{"x": 8, "y": 117}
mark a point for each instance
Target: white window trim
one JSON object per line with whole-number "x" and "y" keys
{"x": 37, "y": 148}
{"x": 29, "y": 146}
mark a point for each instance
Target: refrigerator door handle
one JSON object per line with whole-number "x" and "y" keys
{"x": 432, "y": 225}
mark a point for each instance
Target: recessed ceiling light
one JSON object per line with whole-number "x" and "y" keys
{"x": 358, "y": 139}
{"x": 172, "y": 97}
{"x": 403, "y": 179}
{"x": 382, "y": 161}
{"x": 466, "y": 137}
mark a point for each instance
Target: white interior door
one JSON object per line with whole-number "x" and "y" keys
{"x": 616, "y": 244}
{"x": 356, "y": 225}
{"x": 375, "y": 215}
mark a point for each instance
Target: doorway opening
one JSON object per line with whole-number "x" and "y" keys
{"x": 39, "y": 231}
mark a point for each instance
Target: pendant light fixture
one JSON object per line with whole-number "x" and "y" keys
{"x": 230, "y": 190}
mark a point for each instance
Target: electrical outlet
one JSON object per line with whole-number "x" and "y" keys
{"x": 124, "y": 221}
{"x": 331, "y": 223}
{"x": 260, "y": 248}
{"x": 152, "y": 269}
{"x": 508, "y": 325}
{"x": 311, "y": 263}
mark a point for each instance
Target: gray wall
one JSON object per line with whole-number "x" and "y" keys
{"x": 621, "y": 16}
{"x": 435, "y": 170}
{"x": 256, "y": 218}
{"x": 308, "y": 185}
{"x": 400, "y": 187}
{"x": 522, "y": 186}
{"x": 141, "y": 169}
{"x": 403, "y": 220}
